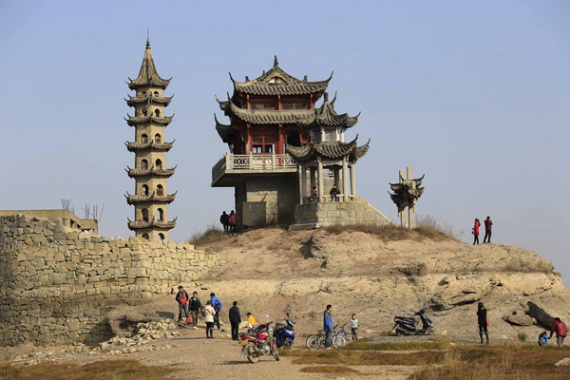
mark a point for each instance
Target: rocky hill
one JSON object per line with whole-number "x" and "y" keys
{"x": 377, "y": 277}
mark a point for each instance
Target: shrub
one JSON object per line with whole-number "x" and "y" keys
{"x": 210, "y": 234}
{"x": 522, "y": 337}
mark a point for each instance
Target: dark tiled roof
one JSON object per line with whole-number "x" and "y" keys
{"x": 150, "y": 172}
{"x": 271, "y": 117}
{"x": 148, "y": 76}
{"x": 141, "y": 225}
{"x": 135, "y": 120}
{"x": 290, "y": 85}
{"x": 326, "y": 116}
{"x": 132, "y": 100}
{"x": 332, "y": 150}
{"x": 134, "y": 146}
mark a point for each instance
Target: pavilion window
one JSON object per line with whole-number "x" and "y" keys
{"x": 158, "y": 164}
{"x": 157, "y": 138}
{"x": 144, "y": 138}
{"x": 157, "y": 113}
{"x": 145, "y": 214}
{"x": 161, "y": 236}
{"x": 145, "y": 236}
{"x": 160, "y": 214}
{"x": 144, "y": 165}
{"x": 159, "y": 190}
{"x": 156, "y": 93}
{"x": 144, "y": 112}
{"x": 144, "y": 190}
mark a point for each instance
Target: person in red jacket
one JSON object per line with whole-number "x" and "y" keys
{"x": 232, "y": 220}
{"x": 559, "y": 328}
{"x": 475, "y": 231}
{"x": 488, "y": 227}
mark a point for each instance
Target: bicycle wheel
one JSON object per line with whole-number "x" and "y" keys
{"x": 338, "y": 341}
{"x": 313, "y": 342}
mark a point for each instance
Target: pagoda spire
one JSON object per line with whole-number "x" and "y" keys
{"x": 151, "y": 198}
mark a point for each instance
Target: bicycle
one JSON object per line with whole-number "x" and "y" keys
{"x": 338, "y": 339}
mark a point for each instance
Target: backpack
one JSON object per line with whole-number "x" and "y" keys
{"x": 183, "y": 298}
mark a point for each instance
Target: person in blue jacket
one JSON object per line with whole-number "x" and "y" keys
{"x": 328, "y": 326}
{"x": 217, "y": 305}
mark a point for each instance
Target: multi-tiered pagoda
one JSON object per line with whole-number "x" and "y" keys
{"x": 151, "y": 198}
{"x": 282, "y": 146}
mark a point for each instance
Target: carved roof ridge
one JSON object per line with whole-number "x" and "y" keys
{"x": 148, "y": 75}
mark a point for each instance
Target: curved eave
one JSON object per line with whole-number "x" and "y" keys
{"x": 300, "y": 153}
{"x": 336, "y": 149}
{"x": 141, "y": 225}
{"x": 360, "y": 151}
{"x": 134, "y": 146}
{"x": 136, "y": 120}
{"x": 224, "y": 104}
{"x": 135, "y": 199}
{"x": 152, "y": 172}
{"x": 134, "y": 100}
{"x": 272, "y": 89}
{"x": 224, "y": 130}
{"x": 137, "y": 83}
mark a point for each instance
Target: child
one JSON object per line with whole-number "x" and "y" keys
{"x": 543, "y": 338}
{"x": 250, "y": 321}
{"x": 354, "y": 327}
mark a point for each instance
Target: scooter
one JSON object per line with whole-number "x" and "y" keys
{"x": 258, "y": 343}
{"x": 407, "y": 325}
{"x": 284, "y": 334}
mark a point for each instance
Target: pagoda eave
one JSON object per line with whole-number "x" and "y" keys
{"x": 133, "y": 173}
{"x": 142, "y": 225}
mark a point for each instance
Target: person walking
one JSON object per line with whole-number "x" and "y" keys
{"x": 182, "y": 299}
{"x": 217, "y": 305}
{"x": 475, "y": 231}
{"x": 232, "y": 220}
{"x": 482, "y": 321}
{"x": 488, "y": 226}
{"x": 235, "y": 320}
{"x": 560, "y": 329}
{"x": 225, "y": 220}
{"x": 328, "y": 326}
{"x": 194, "y": 305}
{"x": 209, "y": 314}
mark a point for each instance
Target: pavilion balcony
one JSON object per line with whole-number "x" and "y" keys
{"x": 232, "y": 168}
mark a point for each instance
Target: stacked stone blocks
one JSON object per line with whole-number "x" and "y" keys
{"x": 56, "y": 285}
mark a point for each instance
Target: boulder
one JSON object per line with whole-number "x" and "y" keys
{"x": 542, "y": 315}
{"x": 519, "y": 318}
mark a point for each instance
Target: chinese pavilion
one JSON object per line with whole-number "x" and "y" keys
{"x": 281, "y": 146}
{"x": 151, "y": 198}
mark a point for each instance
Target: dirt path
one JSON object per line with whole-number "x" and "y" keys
{"x": 198, "y": 358}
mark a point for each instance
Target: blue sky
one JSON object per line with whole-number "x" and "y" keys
{"x": 475, "y": 95}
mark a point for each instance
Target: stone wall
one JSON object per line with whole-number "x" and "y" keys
{"x": 357, "y": 211}
{"x": 56, "y": 284}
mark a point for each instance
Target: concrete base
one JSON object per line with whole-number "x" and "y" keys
{"x": 321, "y": 214}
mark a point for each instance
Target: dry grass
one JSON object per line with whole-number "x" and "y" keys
{"x": 442, "y": 361}
{"x": 103, "y": 370}
{"x": 210, "y": 234}
{"x": 329, "y": 369}
{"x": 428, "y": 228}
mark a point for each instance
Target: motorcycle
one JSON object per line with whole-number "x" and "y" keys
{"x": 407, "y": 325}
{"x": 257, "y": 343}
{"x": 284, "y": 334}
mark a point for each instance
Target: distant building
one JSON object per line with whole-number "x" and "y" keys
{"x": 281, "y": 146}
{"x": 68, "y": 218}
{"x": 151, "y": 198}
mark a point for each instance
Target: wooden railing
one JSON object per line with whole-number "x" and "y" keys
{"x": 241, "y": 162}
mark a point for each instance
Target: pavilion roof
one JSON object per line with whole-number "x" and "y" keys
{"x": 278, "y": 82}
{"x": 150, "y": 172}
{"x": 148, "y": 76}
{"x": 151, "y": 145}
{"x": 141, "y": 224}
{"x": 152, "y": 198}
{"x": 331, "y": 150}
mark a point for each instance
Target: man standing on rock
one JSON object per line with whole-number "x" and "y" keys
{"x": 235, "y": 320}
{"x": 559, "y": 328}
{"x": 217, "y": 305}
{"x": 488, "y": 226}
{"x": 194, "y": 306}
{"x": 328, "y": 326}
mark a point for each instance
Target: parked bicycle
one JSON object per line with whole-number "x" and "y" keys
{"x": 338, "y": 339}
